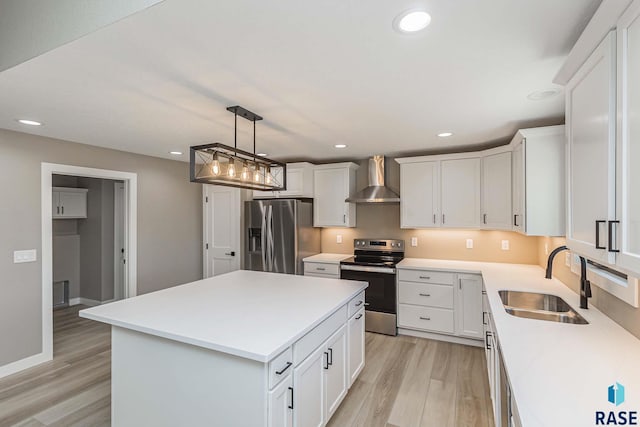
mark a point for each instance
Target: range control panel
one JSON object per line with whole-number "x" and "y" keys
{"x": 379, "y": 244}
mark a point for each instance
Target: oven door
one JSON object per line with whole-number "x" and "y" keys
{"x": 380, "y": 296}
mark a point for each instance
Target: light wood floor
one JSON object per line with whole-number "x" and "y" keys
{"x": 406, "y": 382}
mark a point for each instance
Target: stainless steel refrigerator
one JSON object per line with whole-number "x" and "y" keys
{"x": 279, "y": 233}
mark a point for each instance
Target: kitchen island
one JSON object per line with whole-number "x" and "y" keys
{"x": 242, "y": 349}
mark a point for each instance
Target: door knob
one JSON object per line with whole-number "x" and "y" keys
{"x": 232, "y": 253}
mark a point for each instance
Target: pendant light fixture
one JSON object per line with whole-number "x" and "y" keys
{"x": 221, "y": 164}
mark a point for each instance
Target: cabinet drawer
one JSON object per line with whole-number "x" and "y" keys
{"x": 356, "y": 304}
{"x": 437, "y": 277}
{"x": 426, "y": 294}
{"x": 280, "y": 367}
{"x": 308, "y": 343}
{"x": 322, "y": 268}
{"x": 425, "y": 318}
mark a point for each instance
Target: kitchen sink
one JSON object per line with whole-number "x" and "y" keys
{"x": 533, "y": 305}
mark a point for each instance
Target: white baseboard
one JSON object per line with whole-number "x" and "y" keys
{"x": 27, "y": 362}
{"x": 441, "y": 337}
{"x": 84, "y": 301}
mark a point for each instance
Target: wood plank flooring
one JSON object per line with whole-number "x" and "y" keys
{"x": 406, "y": 382}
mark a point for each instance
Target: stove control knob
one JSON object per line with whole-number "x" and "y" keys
{"x": 393, "y": 244}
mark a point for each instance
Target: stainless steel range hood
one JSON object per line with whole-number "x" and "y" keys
{"x": 376, "y": 192}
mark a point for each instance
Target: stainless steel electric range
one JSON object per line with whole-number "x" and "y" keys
{"x": 374, "y": 261}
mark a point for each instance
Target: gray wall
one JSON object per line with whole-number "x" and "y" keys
{"x": 29, "y": 28}
{"x": 169, "y": 227}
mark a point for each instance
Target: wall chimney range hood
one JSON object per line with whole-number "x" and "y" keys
{"x": 376, "y": 192}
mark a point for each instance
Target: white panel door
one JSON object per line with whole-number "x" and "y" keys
{"x": 281, "y": 404}
{"x": 518, "y": 190}
{"x": 496, "y": 191}
{"x": 336, "y": 377}
{"x": 73, "y": 204}
{"x": 628, "y": 195}
{"x": 221, "y": 229}
{"x": 470, "y": 306}
{"x": 308, "y": 392}
{"x": 330, "y": 191}
{"x": 591, "y": 126}
{"x": 460, "y": 193}
{"x": 419, "y": 196}
{"x": 356, "y": 345}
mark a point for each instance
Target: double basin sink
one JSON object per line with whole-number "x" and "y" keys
{"x": 533, "y": 305}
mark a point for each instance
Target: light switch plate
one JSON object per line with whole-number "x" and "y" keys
{"x": 339, "y": 238}
{"x": 546, "y": 249}
{"x": 505, "y": 245}
{"x": 24, "y": 256}
{"x": 469, "y": 243}
{"x": 414, "y": 241}
{"x": 567, "y": 259}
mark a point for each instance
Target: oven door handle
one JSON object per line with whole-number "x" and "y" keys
{"x": 385, "y": 270}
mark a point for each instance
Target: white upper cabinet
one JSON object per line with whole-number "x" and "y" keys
{"x": 419, "y": 198}
{"x": 69, "y": 202}
{"x": 591, "y": 135}
{"x": 496, "y": 191}
{"x": 333, "y": 183}
{"x": 299, "y": 183}
{"x": 538, "y": 181}
{"x": 460, "y": 193}
{"x": 627, "y": 231}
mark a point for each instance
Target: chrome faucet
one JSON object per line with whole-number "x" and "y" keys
{"x": 585, "y": 285}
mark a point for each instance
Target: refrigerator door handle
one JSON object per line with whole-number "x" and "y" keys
{"x": 270, "y": 240}
{"x": 263, "y": 240}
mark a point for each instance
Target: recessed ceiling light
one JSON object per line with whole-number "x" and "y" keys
{"x": 412, "y": 21}
{"x": 340, "y": 146}
{"x": 542, "y": 94}
{"x": 262, "y": 154}
{"x": 445, "y": 134}
{"x": 29, "y": 122}
{"x": 176, "y": 153}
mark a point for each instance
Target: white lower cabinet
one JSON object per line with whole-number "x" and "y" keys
{"x": 447, "y": 303}
{"x": 335, "y": 372}
{"x": 356, "y": 345}
{"x": 308, "y": 391}
{"x": 281, "y": 404}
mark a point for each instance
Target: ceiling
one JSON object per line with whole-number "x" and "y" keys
{"x": 320, "y": 73}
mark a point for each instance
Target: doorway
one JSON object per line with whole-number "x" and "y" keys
{"x": 222, "y": 211}
{"x": 124, "y": 249}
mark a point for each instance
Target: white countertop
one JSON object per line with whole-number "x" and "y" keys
{"x": 559, "y": 373}
{"x": 327, "y": 258}
{"x": 250, "y": 314}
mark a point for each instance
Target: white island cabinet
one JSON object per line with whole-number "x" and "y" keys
{"x": 242, "y": 349}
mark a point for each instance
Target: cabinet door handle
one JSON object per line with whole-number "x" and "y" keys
{"x": 62, "y": 207}
{"x": 598, "y": 222}
{"x": 326, "y": 360}
{"x": 58, "y": 210}
{"x": 359, "y": 316}
{"x": 281, "y": 371}
{"x": 425, "y": 318}
{"x": 443, "y": 218}
{"x": 610, "y": 237}
{"x": 344, "y": 218}
{"x": 484, "y": 318}
{"x": 359, "y": 303}
{"x": 434, "y": 218}
{"x": 330, "y": 356}
{"x": 425, "y": 295}
{"x": 459, "y": 283}
{"x": 515, "y": 220}
{"x": 486, "y": 340}
{"x": 484, "y": 218}
{"x": 291, "y": 391}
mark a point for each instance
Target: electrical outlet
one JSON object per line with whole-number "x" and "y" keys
{"x": 546, "y": 249}
{"x": 469, "y": 243}
{"x": 339, "y": 238}
{"x": 505, "y": 245}
{"x": 567, "y": 259}
{"x": 24, "y": 256}
{"x": 414, "y": 241}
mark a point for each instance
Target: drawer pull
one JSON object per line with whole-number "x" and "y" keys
{"x": 425, "y": 277}
{"x": 320, "y": 268}
{"x": 280, "y": 372}
{"x": 359, "y": 316}
{"x": 359, "y": 303}
{"x": 425, "y": 318}
{"x": 425, "y": 295}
